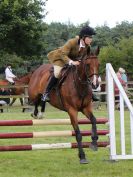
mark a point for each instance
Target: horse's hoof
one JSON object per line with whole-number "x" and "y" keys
{"x": 83, "y": 161}
{"x": 35, "y": 117}
{"x": 40, "y": 116}
{"x": 93, "y": 147}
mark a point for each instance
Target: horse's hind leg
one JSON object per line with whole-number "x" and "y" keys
{"x": 43, "y": 107}
{"x": 40, "y": 114}
{"x": 35, "y": 113}
{"x": 74, "y": 122}
{"x": 36, "y": 104}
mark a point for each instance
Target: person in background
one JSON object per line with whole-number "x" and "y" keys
{"x": 123, "y": 83}
{"x": 119, "y": 75}
{"x": 4, "y": 101}
{"x": 124, "y": 77}
{"x": 9, "y": 74}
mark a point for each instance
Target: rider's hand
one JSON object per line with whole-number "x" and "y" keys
{"x": 75, "y": 63}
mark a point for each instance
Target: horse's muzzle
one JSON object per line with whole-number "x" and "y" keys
{"x": 95, "y": 86}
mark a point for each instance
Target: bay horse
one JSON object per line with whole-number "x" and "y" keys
{"x": 74, "y": 95}
{"x": 17, "y": 90}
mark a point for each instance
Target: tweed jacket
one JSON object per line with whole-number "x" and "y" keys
{"x": 62, "y": 55}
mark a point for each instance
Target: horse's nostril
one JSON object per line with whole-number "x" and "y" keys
{"x": 95, "y": 86}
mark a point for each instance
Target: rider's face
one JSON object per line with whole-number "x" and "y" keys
{"x": 88, "y": 40}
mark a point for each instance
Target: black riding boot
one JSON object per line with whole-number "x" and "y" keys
{"x": 94, "y": 97}
{"x": 53, "y": 80}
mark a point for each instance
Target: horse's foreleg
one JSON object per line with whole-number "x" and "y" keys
{"x": 21, "y": 101}
{"x": 74, "y": 122}
{"x": 94, "y": 135}
{"x": 13, "y": 100}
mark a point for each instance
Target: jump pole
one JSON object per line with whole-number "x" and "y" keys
{"x": 49, "y": 146}
{"x": 48, "y": 122}
{"x": 66, "y": 133}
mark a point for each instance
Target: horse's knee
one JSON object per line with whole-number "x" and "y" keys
{"x": 92, "y": 119}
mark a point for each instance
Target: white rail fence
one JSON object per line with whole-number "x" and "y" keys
{"x": 111, "y": 78}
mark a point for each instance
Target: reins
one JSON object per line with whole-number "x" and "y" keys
{"x": 77, "y": 79}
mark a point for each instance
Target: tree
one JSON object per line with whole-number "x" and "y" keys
{"x": 21, "y": 26}
{"x": 119, "y": 55}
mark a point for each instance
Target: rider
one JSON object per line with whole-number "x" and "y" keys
{"x": 67, "y": 54}
{"x": 9, "y": 74}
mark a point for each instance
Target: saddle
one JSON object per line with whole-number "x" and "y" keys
{"x": 63, "y": 74}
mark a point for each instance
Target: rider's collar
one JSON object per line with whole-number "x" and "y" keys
{"x": 81, "y": 45}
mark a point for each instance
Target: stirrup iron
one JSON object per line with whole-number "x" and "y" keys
{"x": 45, "y": 97}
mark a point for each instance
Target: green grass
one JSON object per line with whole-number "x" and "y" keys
{"x": 60, "y": 163}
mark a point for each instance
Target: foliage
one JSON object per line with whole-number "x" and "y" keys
{"x": 25, "y": 39}
{"x": 119, "y": 55}
{"x": 21, "y": 26}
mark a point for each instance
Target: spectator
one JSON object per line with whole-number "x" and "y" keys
{"x": 9, "y": 74}
{"x": 119, "y": 75}
{"x": 124, "y": 77}
{"x": 4, "y": 101}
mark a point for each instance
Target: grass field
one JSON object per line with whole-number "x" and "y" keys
{"x": 60, "y": 163}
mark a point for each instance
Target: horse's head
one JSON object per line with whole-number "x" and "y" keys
{"x": 92, "y": 67}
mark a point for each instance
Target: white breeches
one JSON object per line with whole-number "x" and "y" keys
{"x": 10, "y": 80}
{"x": 57, "y": 70}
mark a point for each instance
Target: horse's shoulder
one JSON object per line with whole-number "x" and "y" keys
{"x": 45, "y": 66}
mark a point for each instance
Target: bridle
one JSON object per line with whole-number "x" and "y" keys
{"x": 89, "y": 76}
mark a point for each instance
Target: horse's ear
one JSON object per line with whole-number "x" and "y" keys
{"x": 97, "y": 51}
{"x": 88, "y": 50}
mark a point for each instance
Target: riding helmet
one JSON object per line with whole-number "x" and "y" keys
{"x": 86, "y": 31}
